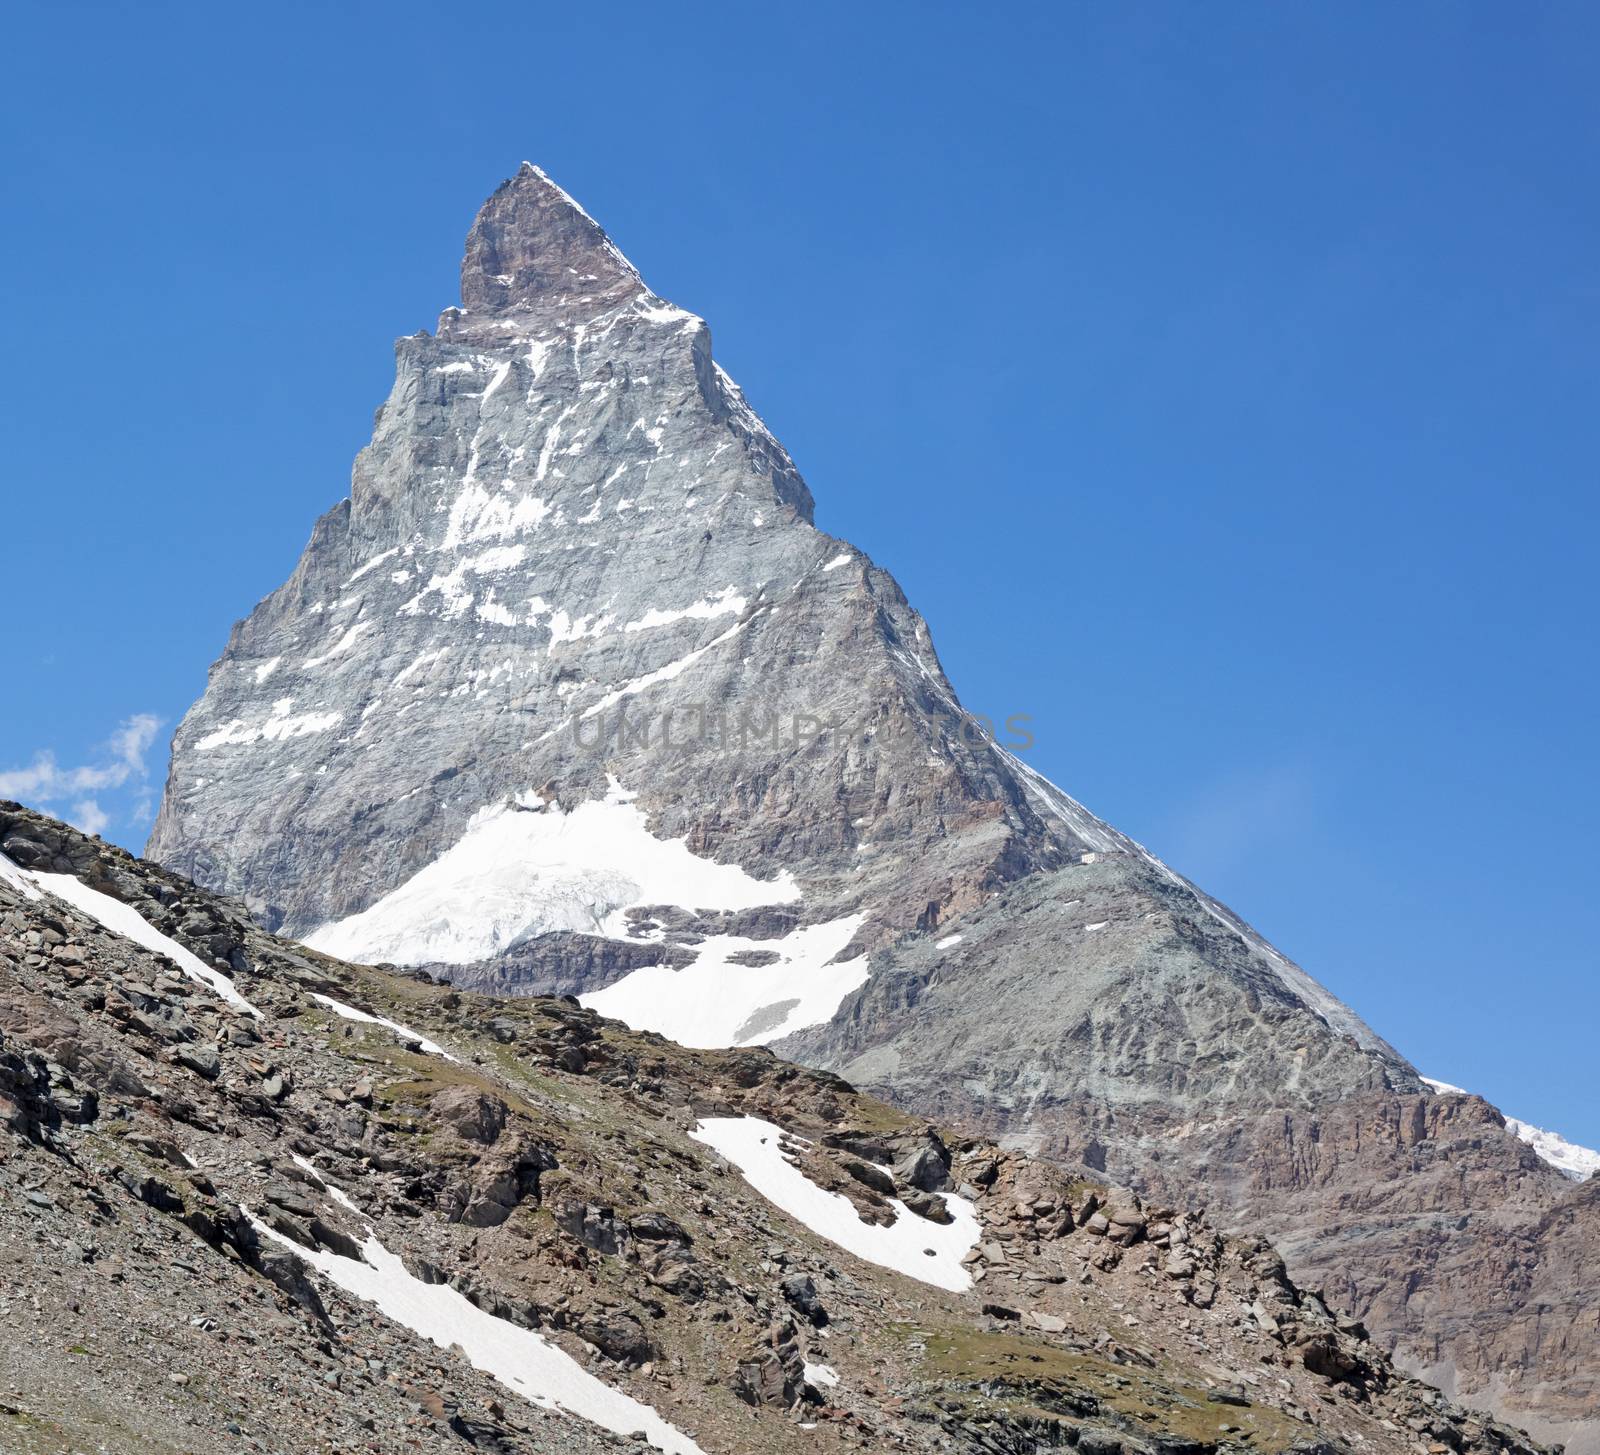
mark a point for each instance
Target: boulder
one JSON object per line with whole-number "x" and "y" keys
{"x": 926, "y": 1167}
{"x": 869, "y": 1176}
{"x": 773, "y": 1373}
{"x": 800, "y": 1293}
{"x": 473, "y": 1115}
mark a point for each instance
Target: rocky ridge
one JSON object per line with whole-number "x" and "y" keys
{"x": 195, "y": 1142}
{"x": 570, "y": 694}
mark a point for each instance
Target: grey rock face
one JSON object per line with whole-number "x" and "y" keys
{"x": 574, "y": 619}
{"x": 570, "y": 537}
{"x": 573, "y": 556}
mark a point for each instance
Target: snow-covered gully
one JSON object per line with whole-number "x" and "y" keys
{"x": 123, "y": 919}
{"x": 927, "y": 1251}
{"x": 526, "y": 1363}
{"x": 350, "y": 1013}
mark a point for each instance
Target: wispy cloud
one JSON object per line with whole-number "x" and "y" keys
{"x": 1238, "y": 818}
{"x": 89, "y": 816}
{"x": 121, "y": 764}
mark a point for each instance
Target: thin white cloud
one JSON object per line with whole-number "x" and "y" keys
{"x": 89, "y": 816}
{"x": 1237, "y": 819}
{"x": 133, "y": 739}
{"x": 121, "y": 764}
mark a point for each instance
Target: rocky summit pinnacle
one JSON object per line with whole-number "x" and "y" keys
{"x": 571, "y": 695}
{"x": 533, "y": 250}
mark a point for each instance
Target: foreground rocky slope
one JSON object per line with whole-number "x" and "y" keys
{"x": 571, "y": 695}
{"x": 1422, "y": 1212}
{"x": 237, "y": 1177}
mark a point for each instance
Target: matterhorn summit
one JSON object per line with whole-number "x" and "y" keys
{"x": 571, "y": 695}
{"x": 570, "y": 687}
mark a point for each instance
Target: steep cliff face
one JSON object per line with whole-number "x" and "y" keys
{"x": 571, "y": 694}
{"x": 573, "y": 557}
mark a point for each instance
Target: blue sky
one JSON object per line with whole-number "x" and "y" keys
{"x": 1219, "y": 381}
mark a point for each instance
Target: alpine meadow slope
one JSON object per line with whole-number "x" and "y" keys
{"x": 570, "y": 695}
{"x": 254, "y": 1198}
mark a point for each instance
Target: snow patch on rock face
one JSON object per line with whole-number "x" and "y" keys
{"x": 19, "y": 879}
{"x": 727, "y": 602}
{"x": 338, "y": 1194}
{"x": 340, "y": 647}
{"x": 657, "y": 310}
{"x": 929, "y": 1252}
{"x": 565, "y": 628}
{"x": 350, "y": 1013}
{"x": 280, "y": 725}
{"x": 1578, "y": 1163}
{"x": 481, "y": 514}
{"x": 821, "y": 1376}
{"x": 451, "y": 587}
{"x": 529, "y": 867}
{"x": 718, "y": 1002}
{"x": 123, "y": 919}
{"x": 664, "y": 674}
{"x": 376, "y": 560}
{"x": 526, "y": 1363}
{"x": 1568, "y": 1158}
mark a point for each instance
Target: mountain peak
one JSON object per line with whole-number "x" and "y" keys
{"x": 532, "y": 248}
{"x": 572, "y": 696}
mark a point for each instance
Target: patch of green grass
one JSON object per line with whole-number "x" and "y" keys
{"x": 1043, "y": 1375}
{"x": 867, "y": 1114}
